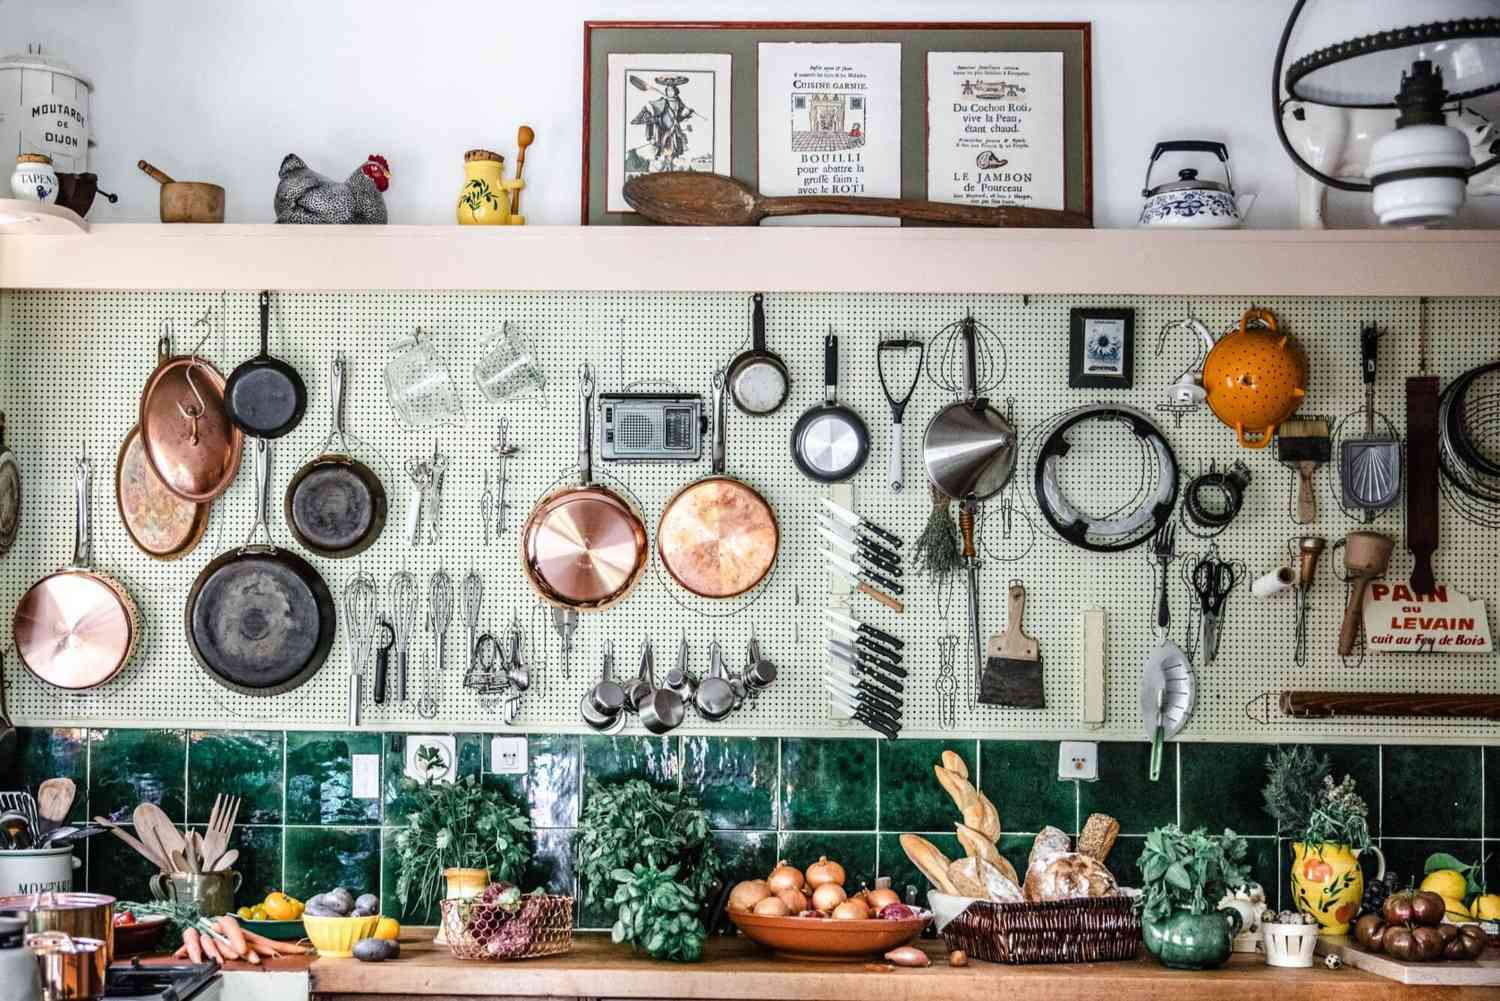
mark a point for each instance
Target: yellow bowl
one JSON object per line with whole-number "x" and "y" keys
{"x": 335, "y": 937}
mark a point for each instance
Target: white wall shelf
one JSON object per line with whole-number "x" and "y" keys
{"x": 785, "y": 259}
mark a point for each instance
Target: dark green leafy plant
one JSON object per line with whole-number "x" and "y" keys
{"x": 1339, "y": 816}
{"x": 657, "y": 914}
{"x": 463, "y": 825}
{"x": 1294, "y": 784}
{"x": 631, "y": 823}
{"x": 1190, "y": 870}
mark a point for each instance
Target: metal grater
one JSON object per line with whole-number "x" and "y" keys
{"x": 651, "y": 427}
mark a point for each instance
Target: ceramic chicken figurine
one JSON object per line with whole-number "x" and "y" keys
{"x": 305, "y": 196}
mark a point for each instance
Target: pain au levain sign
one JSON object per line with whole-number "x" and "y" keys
{"x": 1443, "y": 622}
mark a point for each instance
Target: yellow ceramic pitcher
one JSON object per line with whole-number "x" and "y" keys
{"x": 1327, "y": 883}
{"x": 485, "y": 198}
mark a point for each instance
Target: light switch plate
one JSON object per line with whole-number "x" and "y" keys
{"x": 508, "y": 756}
{"x": 1078, "y": 760}
{"x": 365, "y": 781}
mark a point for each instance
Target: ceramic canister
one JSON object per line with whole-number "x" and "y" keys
{"x": 34, "y": 178}
{"x": 37, "y": 870}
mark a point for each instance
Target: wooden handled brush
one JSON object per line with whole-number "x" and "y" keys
{"x": 1305, "y": 445}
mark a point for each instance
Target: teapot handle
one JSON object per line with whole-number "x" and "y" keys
{"x": 1218, "y": 149}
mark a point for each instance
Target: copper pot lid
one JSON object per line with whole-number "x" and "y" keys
{"x": 718, "y": 537}
{"x": 10, "y": 494}
{"x": 585, "y": 546}
{"x": 161, "y": 524}
{"x": 189, "y": 439}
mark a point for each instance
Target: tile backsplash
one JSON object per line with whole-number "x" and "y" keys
{"x": 303, "y": 828}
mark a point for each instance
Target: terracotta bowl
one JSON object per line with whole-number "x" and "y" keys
{"x": 143, "y": 936}
{"x": 827, "y": 940}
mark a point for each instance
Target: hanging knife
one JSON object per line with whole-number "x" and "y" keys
{"x": 853, "y": 520}
{"x": 878, "y": 710}
{"x": 858, "y": 656}
{"x": 893, "y": 604}
{"x": 862, "y": 573}
{"x": 852, "y": 688}
{"x": 849, "y": 622}
{"x": 869, "y": 645}
{"x": 853, "y": 552}
{"x": 862, "y": 670}
{"x": 876, "y": 552}
{"x": 880, "y": 724}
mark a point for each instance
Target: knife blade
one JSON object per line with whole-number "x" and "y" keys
{"x": 852, "y": 688}
{"x": 880, "y": 724}
{"x": 865, "y": 642}
{"x": 877, "y": 552}
{"x": 849, "y": 622}
{"x": 858, "y": 656}
{"x": 888, "y": 684}
{"x": 854, "y": 520}
{"x": 855, "y": 551}
{"x": 862, "y": 573}
{"x": 883, "y": 713}
{"x": 893, "y": 604}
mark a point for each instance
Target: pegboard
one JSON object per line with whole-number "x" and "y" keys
{"x": 74, "y": 364}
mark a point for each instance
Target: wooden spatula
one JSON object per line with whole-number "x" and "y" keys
{"x": 691, "y": 198}
{"x": 54, "y": 798}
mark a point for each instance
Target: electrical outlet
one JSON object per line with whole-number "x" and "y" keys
{"x": 365, "y": 780}
{"x": 1078, "y": 760}
{"x": 508, "y": 756}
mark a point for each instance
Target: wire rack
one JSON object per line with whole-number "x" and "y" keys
{"x": 73, "y": 364}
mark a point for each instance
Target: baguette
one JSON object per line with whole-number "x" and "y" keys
{"x": 963, "y": 794}
{"x": 955, "y": 764}
{"x": 933, "y": 863}
{"x": 976, "y": 845}
{"x": 1098, "y": 836}
{"x": 989, "y": 821}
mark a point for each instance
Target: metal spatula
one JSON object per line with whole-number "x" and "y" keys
{"x": 1370, "y": 467}
{"x": 1168, "y": 692}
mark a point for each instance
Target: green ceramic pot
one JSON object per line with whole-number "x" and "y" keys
{"x": 1186, "y": 941}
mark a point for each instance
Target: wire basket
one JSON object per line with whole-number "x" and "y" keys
{"x": 542, "y": 927}
{"x": 1079, "y": 930}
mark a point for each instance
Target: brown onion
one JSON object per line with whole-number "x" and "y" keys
{"x": 851, "y": 910}
{"x": 784, "y": 877}
{"x": 823, "y": 871}
{"x": 908, "y": 955}
{"x": 879, "y": 899}
{"x": 772, "y": 907}
{"x": 747, "y": 894}
{"x": 828, "y": 896}
{"x": 795, "y": 900}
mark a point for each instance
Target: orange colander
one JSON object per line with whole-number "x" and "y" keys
{"x": 1255, "y": 377}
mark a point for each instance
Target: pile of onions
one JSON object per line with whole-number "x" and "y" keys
{"x": 819, "y": 893}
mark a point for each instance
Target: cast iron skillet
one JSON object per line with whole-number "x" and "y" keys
{"x": 259, "y": 619}
{"x": 830, "y": 442}
{"x": 758, "y": 381}
{"x": 265, "y": 397}
{"x": 336, "y": 505}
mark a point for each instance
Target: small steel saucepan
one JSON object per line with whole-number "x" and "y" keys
{"x": 715, "y": 698}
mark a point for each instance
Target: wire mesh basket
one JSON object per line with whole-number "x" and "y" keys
{"x": 543, "y": 926}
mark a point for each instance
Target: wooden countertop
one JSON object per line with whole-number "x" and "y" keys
{"x": 734, "y": 969}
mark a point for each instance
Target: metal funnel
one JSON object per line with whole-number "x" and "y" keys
{"x": 969, "y": 450}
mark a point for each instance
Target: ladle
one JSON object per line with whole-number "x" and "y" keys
{"x": 1367, "y": 556}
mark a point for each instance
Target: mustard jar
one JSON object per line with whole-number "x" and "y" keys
{"x": 486, "y": 194}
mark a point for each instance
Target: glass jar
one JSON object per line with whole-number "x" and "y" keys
{"x": 34, "y": 179}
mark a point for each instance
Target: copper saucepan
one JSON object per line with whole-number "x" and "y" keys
{"x": 717, "y": 536}
{"x": 189, "y": 439}
{"x": 75, "y": 628}
{"x": 584, "y": 546}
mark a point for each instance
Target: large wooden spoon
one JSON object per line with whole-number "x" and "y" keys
{"x": 691, "y": 198}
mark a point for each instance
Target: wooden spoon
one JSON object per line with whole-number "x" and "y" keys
{"x": 226, "y": 860}
{"x": 148, "y": 854}
{"x": 524, "y": 137}
{"x": 54, "y": 798}
{"x": 691, "y": 198}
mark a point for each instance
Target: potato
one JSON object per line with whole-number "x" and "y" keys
{"x": 376, "y": 950}
{"x": 367, "y": 905}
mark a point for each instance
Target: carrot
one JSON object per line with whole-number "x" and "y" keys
{"x": 271, "y": 946}
{"x": 231, "y": 929}
{"x": 251, "y": 956}
{"x": 211, "y": 950}
{"x": 193, "y": 944}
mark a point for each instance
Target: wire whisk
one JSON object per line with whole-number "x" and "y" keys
{"x": 402, "y": 594}
{"x": 361, "y": 602}
{"x": 473, "y": 598}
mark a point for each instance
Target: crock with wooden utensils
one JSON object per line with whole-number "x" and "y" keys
{"x": 186, "y": 201}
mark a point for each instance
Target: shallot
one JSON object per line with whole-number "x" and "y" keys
{"x": 908, "y": 955}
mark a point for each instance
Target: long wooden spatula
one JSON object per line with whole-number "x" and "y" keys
{"x": 691, "y": 198}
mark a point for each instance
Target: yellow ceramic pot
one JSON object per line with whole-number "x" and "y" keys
{"x": 1327, "y": 883}
{"x": 463, "y": 884}
{"x": 485, "y": 198}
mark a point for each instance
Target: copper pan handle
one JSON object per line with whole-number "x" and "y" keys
{"x": 83, "y": 542}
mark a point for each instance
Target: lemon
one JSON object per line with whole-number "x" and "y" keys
{"x": 279, "y": 907}
{"x": 259, "y": 913}
{"x": 1456, "y": 910}
{"x": 1487, "y": 907}
{"x": 388, "y": 928}
{"x": 246, "y": 913}
{"x": 1450, "y": 884}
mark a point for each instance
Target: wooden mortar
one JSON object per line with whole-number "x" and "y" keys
{"x": 1367, "y": 556}
{"x": 186, "y": 201}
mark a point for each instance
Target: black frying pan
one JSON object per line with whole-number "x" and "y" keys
{"x": 757, "y": 379}
{"x": 259, "y": 619}
{"x": 830, "y": 442}
{"x": 336, "y": 505}
{"x": 265, "y": 397}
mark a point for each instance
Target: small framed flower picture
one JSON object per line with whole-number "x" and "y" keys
{"x": 1101, "y": 348}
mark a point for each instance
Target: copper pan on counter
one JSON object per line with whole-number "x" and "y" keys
{"x": 718, "y": 538}
{"x": 185, "y": 428}
{"x": 584, "y": 547}
{"x": 76, "y": 628}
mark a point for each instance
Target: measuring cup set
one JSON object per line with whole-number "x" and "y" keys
{"x": 661, "y": 709}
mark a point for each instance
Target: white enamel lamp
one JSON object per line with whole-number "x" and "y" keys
{"x": 1413, "y": 56}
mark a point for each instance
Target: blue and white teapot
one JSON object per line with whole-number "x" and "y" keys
{"x": 1191, "y": 202}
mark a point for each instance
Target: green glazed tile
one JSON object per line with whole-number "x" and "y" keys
{"x": 855, "y": 852}
{"x": 552, "y": 864}
{"x": 734, "y": 778}
{"x": 259, "y": 864}
{"x": 911, "y": 799}
{"x": 130, "y": 767}
{"x": 655, "y": 759}
{"x": 115, "y": 869}
{"x": 1362, "y": 763}
{"x": 321, "y": 858}
{"x": 1432, "y": 791}
{"x": 1125, "y": 790}
{"x": 1017, "y": 851}
{"x": 397, "y": 804}
{"x": 1020, "y": 778}
{"x": 44, "y": 753}
{"x": 1407, "y": 857}
{"x": 1492, "y": 793}
{"x": 1221, "y": 788}
{"x": 1492, "y": 865}
{"x": 828, "y": 785}
{"x": 1125, "y": 858}
{"x": 550, "y": 784}
{"x": 1265, "y": 861}
{"x": 242, "y": 763}
{"x": 319, "y": 778}
{"x": 411, "y": 914}
{"x": 895, "y": 864}
{"x": 745, "y": 854}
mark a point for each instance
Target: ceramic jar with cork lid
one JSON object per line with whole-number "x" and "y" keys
{"x": 34, "y": 179}
{"x": 485, "y": 199}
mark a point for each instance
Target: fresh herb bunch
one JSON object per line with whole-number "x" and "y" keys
{"x": 631, "y": 823}
{"x": 1340, "y": 816}
{"x": 1190, "y": 871}
{"x": 459, "y": 824}
{"x": 657, "y": 914}
{"x": 1294, "y": 786}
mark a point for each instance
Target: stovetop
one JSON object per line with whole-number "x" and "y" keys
{"x": 174, "y": 982}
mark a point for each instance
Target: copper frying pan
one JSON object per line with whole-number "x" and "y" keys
{"x": 161, "y": 524}
{"x": 718, "y": 537}
{"x": 75, "y": 628}
{"x": 189, "y": 440}
{"x": 584, "y": 546}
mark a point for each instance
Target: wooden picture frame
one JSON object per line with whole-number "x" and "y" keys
{"x": 1101, "y": 348}
{"x": 741, "y": 40}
